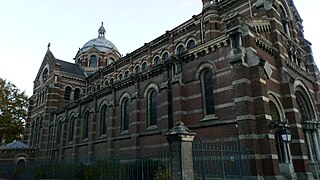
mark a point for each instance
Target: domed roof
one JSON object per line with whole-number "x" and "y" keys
{"x": 100, "y": 43}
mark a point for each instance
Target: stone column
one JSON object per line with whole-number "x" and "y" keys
{"x": 180, "y": 140}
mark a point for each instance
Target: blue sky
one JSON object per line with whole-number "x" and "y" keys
{"x": 28, "y": 26}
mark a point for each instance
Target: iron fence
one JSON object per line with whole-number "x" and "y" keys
{"x": 220, "y": 160}
{"x": 151, "y": 165}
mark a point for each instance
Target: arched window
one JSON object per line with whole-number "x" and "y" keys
{"x": 86, "y": 125}
{"x": 125, "y": 114}
{"x": 44, "y": 75}
{"x": 93, "y": 61}
{"x": 137, "y": 69}
{"x": 59, "y": 132}
{"x": 180, "y": 49}
{"x": 76, "y": 94}
{"x": 103, "y": 120}
{"x": 165, "y": 56}
{"x": 120, "y": 77}
{"x": 126, "y": 74}
{"x": 191, "y": 44}
{"x": 152, "y": 105}
{"x": 282, "y": 149}
{"x": 67, "y": 93}
{"x": 71, "y": 128}
{"x": 307, "y": 117}
{"x": 208, "y": 92}
{"x": 156, "y": 60}
{"x": 111, "y": 81}
{"x": 144, "y": 66}
{"x": 98, "y": 87}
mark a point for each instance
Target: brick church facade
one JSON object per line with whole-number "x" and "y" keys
{"x": 236, "y": 71}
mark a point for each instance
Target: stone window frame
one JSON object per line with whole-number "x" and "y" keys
{"x": 76, "y": 93}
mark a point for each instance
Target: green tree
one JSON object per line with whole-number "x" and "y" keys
{"x": 13, "y": 111}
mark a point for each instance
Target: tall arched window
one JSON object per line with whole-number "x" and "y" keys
{"x": 282, "y": 147}
{"x": 152, "y": 105}
{"x": 67, "y": 93}
{"x": 71, "y": 128}
{"x": 208, "y": 92}
{"x": 307, "y": 116}
{"x": 93, "y": 61}
{"x": 86, "y": 125}
{"x": 76, "y": 94}
{"x": 103, "y": 120}
{"x": 59, "y": 132}
{"x": 125, "y": 114}
{"x": 45, "y": 75}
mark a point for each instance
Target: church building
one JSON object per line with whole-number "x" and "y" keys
{"x": 238, "y": 71}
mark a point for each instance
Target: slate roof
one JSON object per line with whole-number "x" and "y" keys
{"x": 70, "y": 68}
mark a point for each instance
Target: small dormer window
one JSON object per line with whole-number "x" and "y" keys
{"x": 93, "y": 61}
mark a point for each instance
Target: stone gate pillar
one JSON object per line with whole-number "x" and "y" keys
{"x": 180, "y": 140}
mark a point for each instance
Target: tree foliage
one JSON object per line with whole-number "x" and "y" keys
{"x": 13, "y": 111}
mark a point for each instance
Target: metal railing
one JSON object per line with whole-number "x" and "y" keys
{"x": 151, "y": 165}
{"x": 220, "y": 160}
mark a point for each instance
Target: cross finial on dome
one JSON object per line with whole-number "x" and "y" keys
{"x": 101, "y": 31}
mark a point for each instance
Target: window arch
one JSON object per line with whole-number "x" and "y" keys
{"x": 283, "y": 151}
{"x": 98, "y": 87}
{"x": 103, "y": 120}
{"x": 76, "y": 93}
{"x": 165, "y": 56}
{"x": 111, "y": 81}
{"x": 126, "y": 74}
{"x": 152, "y": 108}
{"x": 86, "y": 117}
{"x": 93, "y": 61}
{"x": 207, "y": 87}
{"x": 71, "y": 128}
{"x": 180, "y": 49}
{"x": 191, "y": 44}
{"x": 144, "y": 66}
{"x": 156, "y": 60}
{"x": 67, "y": 93}
{"x": 137, "y": 69}
{"x": 120, "y": 77}
{"x": 125, "y": 114}
{"x": 308, "y": 120}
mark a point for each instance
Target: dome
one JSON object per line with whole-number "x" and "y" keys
{"x": 100, "y": 43}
